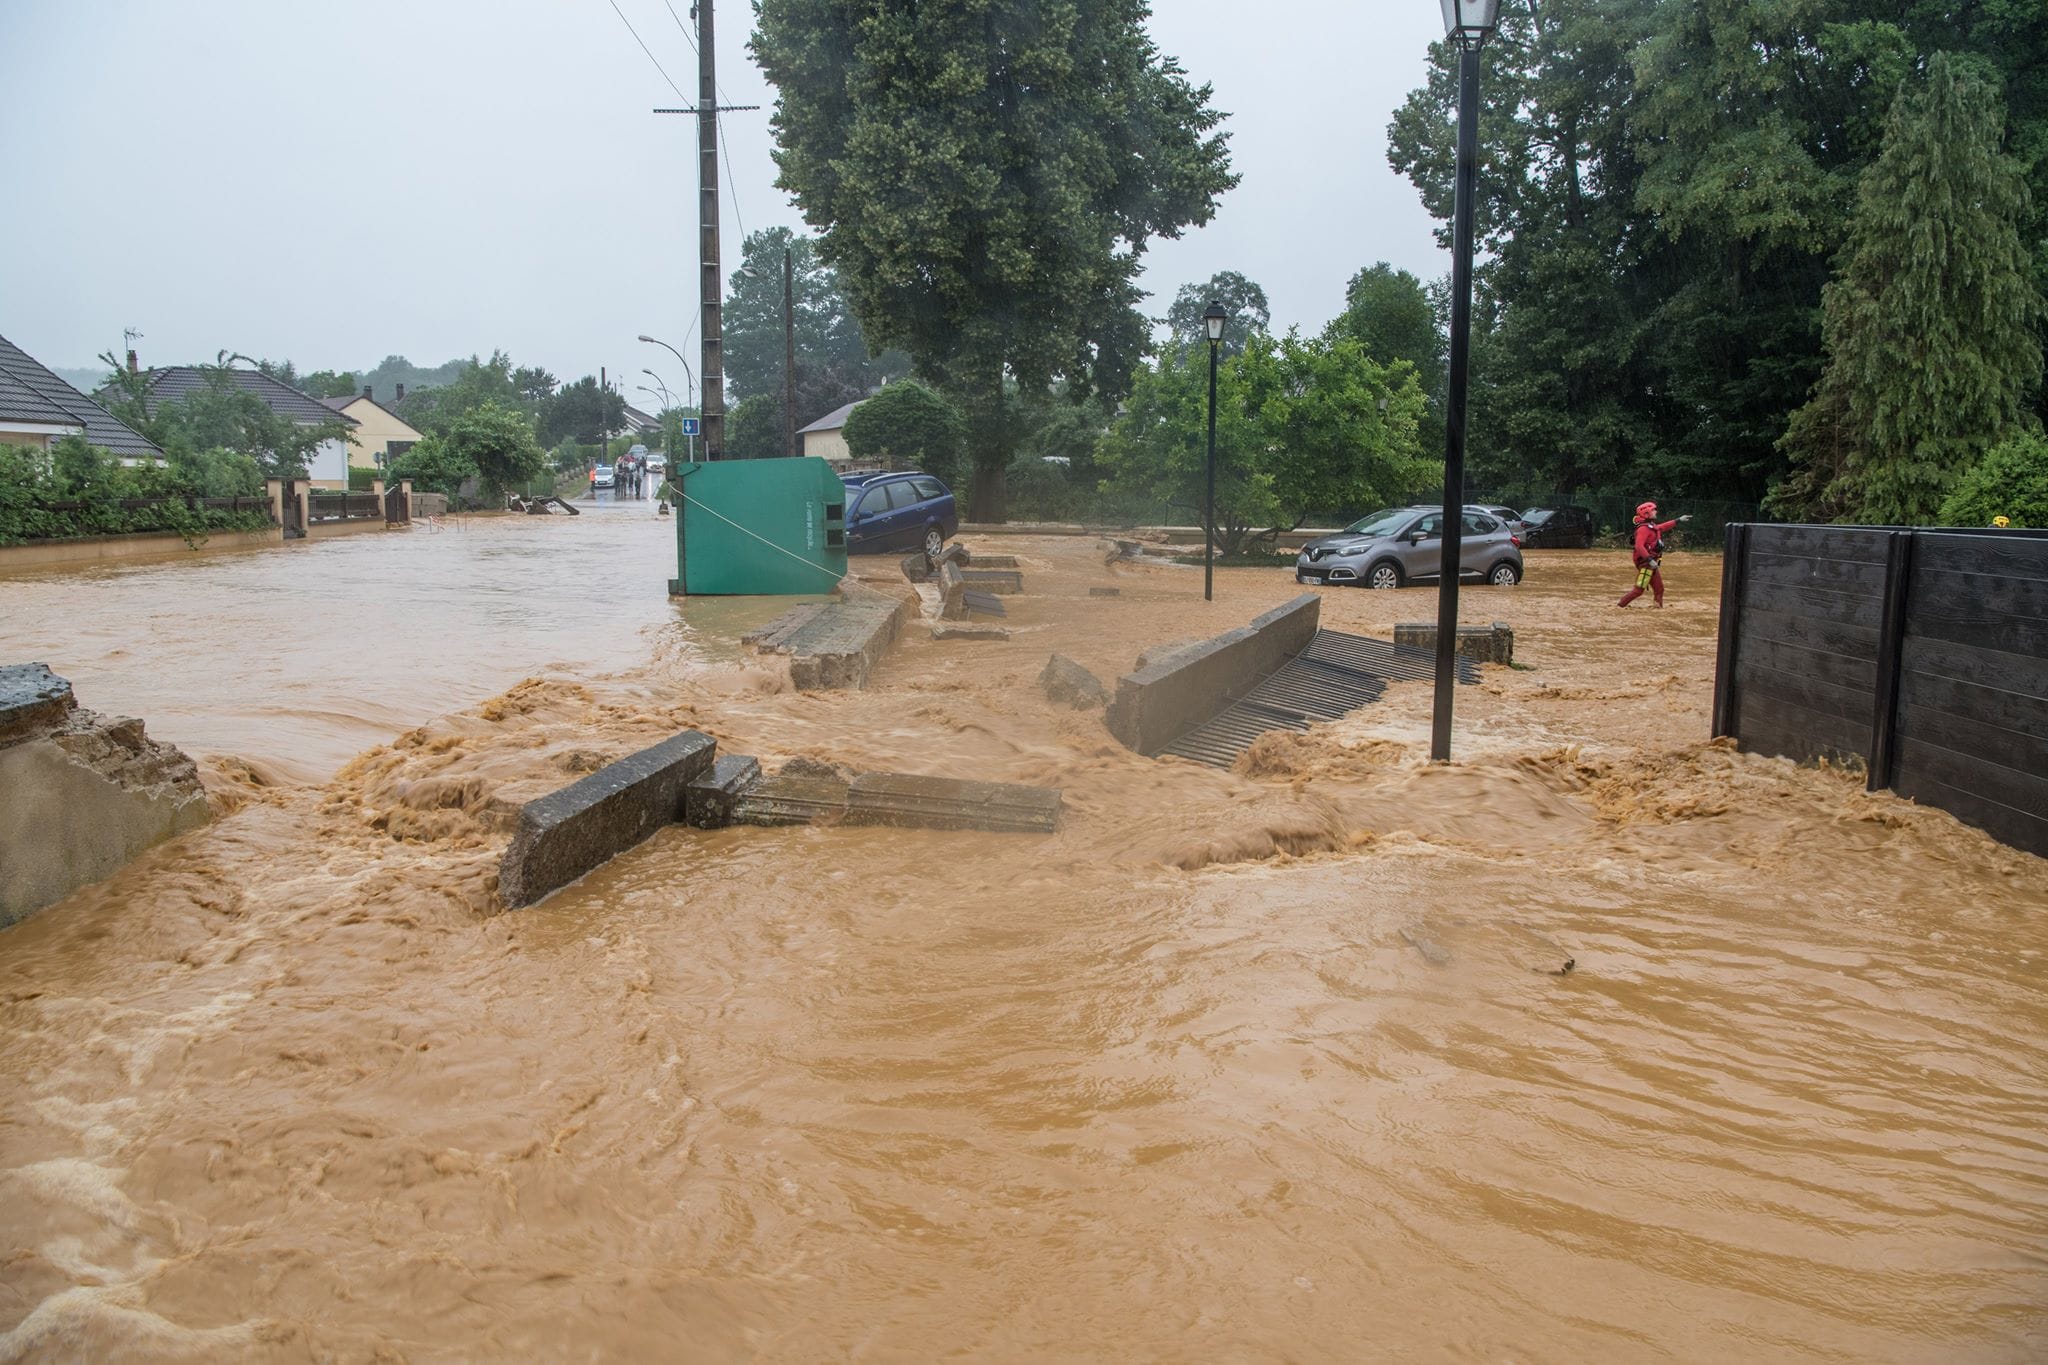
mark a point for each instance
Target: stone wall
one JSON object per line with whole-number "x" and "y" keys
{"x": 1169, "y": 696}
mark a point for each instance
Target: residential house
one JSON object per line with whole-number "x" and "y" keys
{"x": 380, "y": 435}
{"x": 826, "y": 437}
{"x": 326, "y": 467}
{"x": 640, "y": 423}
{"x": 37, "y": 409}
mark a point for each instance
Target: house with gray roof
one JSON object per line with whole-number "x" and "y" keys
{"x": 38, "y": 409}
{"x": 326, "y": 467}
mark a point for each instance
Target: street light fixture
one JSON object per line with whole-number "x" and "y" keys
{"x": 689, "y": 383}
{"x": 1212, "y": 319}
{"x": 1468, "y": 24}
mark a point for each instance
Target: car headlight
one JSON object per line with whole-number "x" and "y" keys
{"x": 1348, "y": 550}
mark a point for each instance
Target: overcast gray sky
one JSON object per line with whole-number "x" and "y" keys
{"x": 432, "y": 178}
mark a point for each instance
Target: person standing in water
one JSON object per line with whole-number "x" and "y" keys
{"x": 1649, "y": 553}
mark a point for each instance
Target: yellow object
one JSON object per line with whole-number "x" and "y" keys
{"x": 2001, "y": 522}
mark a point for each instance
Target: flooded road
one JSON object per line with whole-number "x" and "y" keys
{"x": 1280, "y": 1064}
{"x": 298, "y": 657}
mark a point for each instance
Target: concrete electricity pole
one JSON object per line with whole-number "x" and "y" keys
{"x": 711, "y": 289}
{"x": 788, "y": 354}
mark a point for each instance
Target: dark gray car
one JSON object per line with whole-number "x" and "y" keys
{"x": 1403, "y": 545}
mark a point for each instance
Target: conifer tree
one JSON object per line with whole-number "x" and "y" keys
{"x": 1928, "y": 322}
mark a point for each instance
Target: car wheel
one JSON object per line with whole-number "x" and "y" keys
{"x": 934, "y": 541}
{"x": 1504, "y": 575}
{"x": 1383, "y": 575}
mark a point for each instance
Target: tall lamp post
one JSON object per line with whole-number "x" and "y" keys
{"x": 1468, "y": 24}
{"x": 689, "y": 379}
{"x": 1212, "y": 319}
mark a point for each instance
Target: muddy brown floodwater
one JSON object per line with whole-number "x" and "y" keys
{"x": 1266, "y": 1065}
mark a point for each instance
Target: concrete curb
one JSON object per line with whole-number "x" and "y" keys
{"x": 1156, "y": 704}
{"x": 566, "y": 833}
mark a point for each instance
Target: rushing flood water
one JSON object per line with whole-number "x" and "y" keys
{"x": 1276, "y": 1065}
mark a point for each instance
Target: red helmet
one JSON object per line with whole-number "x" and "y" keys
{"x": 1647, "y": 511}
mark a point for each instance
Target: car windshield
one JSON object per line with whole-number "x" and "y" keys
{"x": 1540, "y": 515}
{"x": 1380, "y": 523}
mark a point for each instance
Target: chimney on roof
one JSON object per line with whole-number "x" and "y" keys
{"x": 131, "y": 360}
{"x": 367, "y": 393}
{"x": 401, "y": 394}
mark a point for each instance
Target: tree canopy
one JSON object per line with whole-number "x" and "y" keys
{"x": 1929, "y": 321}
{"x": 986, "y": 178}
{"x": 833, "y": 367}
{"x": 909, "y": 425}
{"x": 1300, "y": 431}
{"x": 1242, "y": 299}
{"x": 1664, "y": 192}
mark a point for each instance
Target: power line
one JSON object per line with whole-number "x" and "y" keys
{"x": 688, "y": 36}
{"x": 649, "y": 51}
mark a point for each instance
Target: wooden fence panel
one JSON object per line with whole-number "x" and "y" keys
{"x": 1804, "y": 665}
{"x": 1924, "y": 653}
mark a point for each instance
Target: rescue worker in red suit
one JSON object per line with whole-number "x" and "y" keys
{"x": 1649, "y": 553}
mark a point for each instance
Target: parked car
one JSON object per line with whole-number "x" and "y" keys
{"x": 1507, "y": 515}
{"x": 657, "y": 465}
{"x": 1404, "y": 545}
{"x": 1558, "y": 528}
{"x": 898, "y": 512}
{"x": 603, "y": 477}
{"x": 636, "y": 453}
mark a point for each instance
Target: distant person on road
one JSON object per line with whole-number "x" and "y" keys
{"x": 1649, "y": 553}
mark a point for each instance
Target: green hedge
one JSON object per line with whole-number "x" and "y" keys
{"x": 75, "y": 490}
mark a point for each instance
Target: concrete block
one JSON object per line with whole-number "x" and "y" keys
{"x": 956, "y": 553}
{"x": 1105, "y": 592}
{"x": 958, "y": 632}
{"x": 32, "y": 699}
{"x": 952, "y": 591}
{"x": 834, "y": 644}
{"x": 1067, "y": 682}
{"x": 951, "y": 803}
{"x": 995, "y": 562}
{"x": 80, "y": 793}
{"x": 1163, "y": 699}
{"x": 788, "y": 798}
{"x": 917, "y": 568}
{"x": 1004, "y": 582}
{"x": 566, "y": 833}
{"x": 709, "y": 798}
{"x": 1494, "y": 644}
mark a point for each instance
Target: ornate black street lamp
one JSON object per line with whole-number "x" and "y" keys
{"x": 1468, "y": 23}
{"x": 1213, "y": 319}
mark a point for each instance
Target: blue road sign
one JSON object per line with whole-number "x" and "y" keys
{"x": 689, "y": 426}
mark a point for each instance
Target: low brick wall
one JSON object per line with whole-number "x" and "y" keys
{"x": 566, "y": 833}
{"x": 1159, "y": 702}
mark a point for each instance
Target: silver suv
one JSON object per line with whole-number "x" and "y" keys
{"x": 1404, "y": 545}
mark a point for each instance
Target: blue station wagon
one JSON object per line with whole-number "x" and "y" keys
{"x": 900, "y": 512}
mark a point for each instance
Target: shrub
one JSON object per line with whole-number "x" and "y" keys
{"x": 2010, "y": 481}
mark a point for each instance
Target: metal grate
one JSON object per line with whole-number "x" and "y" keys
{"x": 1333, "y": 677}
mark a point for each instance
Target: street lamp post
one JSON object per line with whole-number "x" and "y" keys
{"x": 689, "y": 381}
{"x": 1468, "y": 24}
{"x": 1212, "y": 319}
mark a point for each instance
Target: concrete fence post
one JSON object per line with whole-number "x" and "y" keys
{"x": 274, "y": 490}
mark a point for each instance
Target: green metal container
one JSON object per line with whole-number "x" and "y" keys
{"x": 759, "y": 528}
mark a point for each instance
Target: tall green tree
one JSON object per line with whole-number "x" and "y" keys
{"x": 581, "y": 410}
{"x": 753, "y": 428}
{"x": 986, "y": 176}
{"x": 1300, "y": 430}
{"x": 1242, "y": 299}
{"x": 1929, "y": 322}
{"x": 1391, "y": 314}
{"x": 909, "y": 425}
{"x": 833, "y": 367}
{"x": 498, "y": 443}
